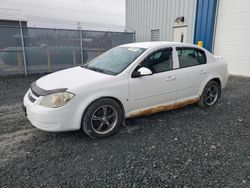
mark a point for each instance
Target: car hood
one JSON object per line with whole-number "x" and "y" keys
{"x": 70, "y": 77}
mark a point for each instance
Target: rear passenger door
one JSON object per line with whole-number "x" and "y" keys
{"x": 191, "y": 72}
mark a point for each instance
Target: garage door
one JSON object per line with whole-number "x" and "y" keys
{"x": 232, "y": 38}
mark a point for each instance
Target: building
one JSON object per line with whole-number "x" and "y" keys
{"x": 222, "y": 25}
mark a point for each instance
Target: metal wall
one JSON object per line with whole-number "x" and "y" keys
{"x": 205, "y": 19}
{"x": 25, "y": 50}
{"x": 142, "y": 16}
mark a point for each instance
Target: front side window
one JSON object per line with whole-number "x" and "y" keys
{"x": 115, "y": 60}
{"x": 159, "y": 61}
{"x": 190, "y": 57}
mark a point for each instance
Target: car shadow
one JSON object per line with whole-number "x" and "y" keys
{"x": 132, "y": 124}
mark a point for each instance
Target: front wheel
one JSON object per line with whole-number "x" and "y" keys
{"x": 102, "y": 118}
{"x": 210, "y": 94}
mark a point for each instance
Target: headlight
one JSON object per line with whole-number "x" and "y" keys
{"x": 56, "y": 100}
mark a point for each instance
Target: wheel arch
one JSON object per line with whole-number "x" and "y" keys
{"x": 215, "y": 78}
{"x": 104, "y": 97}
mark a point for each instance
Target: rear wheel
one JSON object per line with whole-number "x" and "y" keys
{"x": 210, "y": 94}
{"x": 102, "y": 118}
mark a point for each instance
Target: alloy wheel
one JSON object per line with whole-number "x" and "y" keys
{"x": 104, "y": 119}
{"x": 211, "y": 95}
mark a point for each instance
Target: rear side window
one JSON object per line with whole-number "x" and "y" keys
{"x": 191, "y": 57}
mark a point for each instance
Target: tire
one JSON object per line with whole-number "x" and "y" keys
{"x": 210, "y": 94}
{"x": 102, "y": 118}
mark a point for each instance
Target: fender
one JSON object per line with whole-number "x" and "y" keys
{"x": 92, "y": 98}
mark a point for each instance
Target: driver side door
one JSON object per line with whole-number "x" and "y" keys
{"x": 157, "y": 90}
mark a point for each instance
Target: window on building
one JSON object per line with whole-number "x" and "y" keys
{"x": 191, "y": 57}
{"x": 155, "y": 35}
{"x": 159, "y": 61}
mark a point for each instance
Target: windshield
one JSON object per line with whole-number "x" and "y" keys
{"x": 115, "y": 60}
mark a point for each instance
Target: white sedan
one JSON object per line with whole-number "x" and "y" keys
{"x": 127, "y": 81}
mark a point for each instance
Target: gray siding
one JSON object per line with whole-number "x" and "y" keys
{"x": 142, "y": 16}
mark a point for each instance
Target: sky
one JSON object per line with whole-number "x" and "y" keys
{"x": 66, "y": 13}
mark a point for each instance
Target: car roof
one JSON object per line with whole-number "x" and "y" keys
{"x": 148, "y": 45}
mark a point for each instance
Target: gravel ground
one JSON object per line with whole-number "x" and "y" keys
{"x": 188, "y": 147}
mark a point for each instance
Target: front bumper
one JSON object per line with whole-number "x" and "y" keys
{"x": 64, "y": 118}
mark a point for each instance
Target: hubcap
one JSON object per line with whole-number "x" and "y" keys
{"x": 211, "y": 95}
{"x": 104, "y": 119}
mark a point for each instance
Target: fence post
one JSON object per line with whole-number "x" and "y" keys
{"x": 74, "y": 57}
{"x": 24, "y": 56}
{"x": 49, "y": 60}
{"x": 81, "y": 46}
{"x": 19, "y": 59}
{"x": 134, "y": 36}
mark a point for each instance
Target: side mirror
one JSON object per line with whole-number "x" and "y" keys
{"x": 143, "y": 71}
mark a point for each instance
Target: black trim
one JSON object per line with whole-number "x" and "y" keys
{"x": 31, "y": 98}
{"x": 24, "y": 110}
{"x": 42, "y": 92}
{"x": 35, "y": 94}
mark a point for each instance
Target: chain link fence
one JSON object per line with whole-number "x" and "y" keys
{"x": 26, "y": 50}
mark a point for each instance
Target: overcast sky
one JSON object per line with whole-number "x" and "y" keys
{"x": 63, "y": 13}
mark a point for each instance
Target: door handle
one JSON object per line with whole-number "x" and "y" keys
{"x": 203, "y": 72}
{"x": 170, "y": 78}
